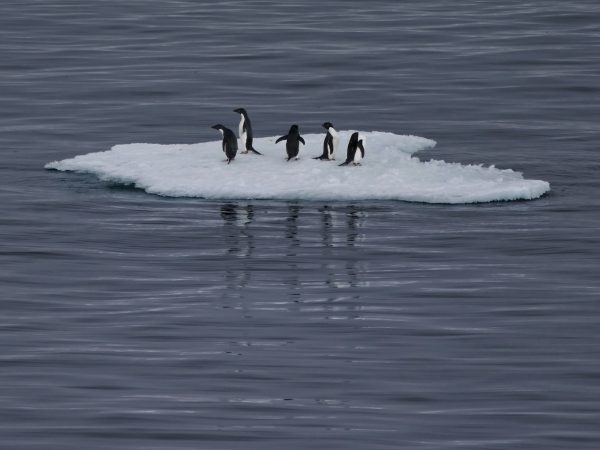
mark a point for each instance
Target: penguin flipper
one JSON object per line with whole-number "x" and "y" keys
{"x": 362, "y": 147}
{"x": 282, "y": 138}
{"x": 301, "y": 140}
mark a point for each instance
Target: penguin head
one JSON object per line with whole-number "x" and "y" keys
{"x": 354, "y": 137}
{"x": 327, "y": 125}
{"x": 294, "y": 127}
{"x": 220, "y": 127}
{"x": 240, "y": 111}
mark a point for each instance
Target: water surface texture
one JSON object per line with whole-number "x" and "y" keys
{"x": 134, "y": 321}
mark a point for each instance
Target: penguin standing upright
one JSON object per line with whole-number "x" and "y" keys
{"x": 230, "y": 146}
{"x": 292, "y": 144}
{"x": 356, "y": 150}
{"x": 245, "y": 130}
{"x": 330, "y": 143}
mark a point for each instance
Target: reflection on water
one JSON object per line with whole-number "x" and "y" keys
{"x": 291, "y": 278}
{"x": 326, "y": 225}
{"x": 239, "y": 243}
{"x": 237, "y": 215}
{"x": 355, "y": 218}
{"x": 291, "y": 228}
{"x": 352, "y": 216}
{"x": 325, "y": 266}
{"x": 334, "y": 230}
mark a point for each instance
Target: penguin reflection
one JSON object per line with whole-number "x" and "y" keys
{"x": 326, "y": 225}
{"x": 239, "y": 241}
{"x": 353, "y": 223}
{"x": 237, "y": 215}
{"x": 291, "y": 228}
{"x": 291, "y": 233}
{"x": 352, "y": 219}
{"x": 327, "y": 244}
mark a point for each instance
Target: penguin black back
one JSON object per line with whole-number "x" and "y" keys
{"x": 230, "y": 146}
{"x": 292, "y": 144}
{"x": 353, "y": 145}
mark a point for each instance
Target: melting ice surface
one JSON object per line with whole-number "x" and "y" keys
{"x": 388, "y": 172}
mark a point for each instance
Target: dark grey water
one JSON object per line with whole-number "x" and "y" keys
{"x": 131, "y": 321}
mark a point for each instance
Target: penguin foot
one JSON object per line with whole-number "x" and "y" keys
{"x": 246, "y": 151}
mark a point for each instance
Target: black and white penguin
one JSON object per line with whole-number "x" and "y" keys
{"x": 330, "y": 143}
{"x": 245, "y": 129}
{"x": 356, "y": 150}
{"x": 230, "y": 146}
{"x": 292, "y": 144}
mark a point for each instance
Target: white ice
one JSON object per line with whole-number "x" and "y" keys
{"x": 388, "y": 172}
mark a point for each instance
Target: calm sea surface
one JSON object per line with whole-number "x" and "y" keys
{"x": 131, "y": 321}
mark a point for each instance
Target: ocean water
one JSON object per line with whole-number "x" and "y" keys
{"x": 135, "y": 321}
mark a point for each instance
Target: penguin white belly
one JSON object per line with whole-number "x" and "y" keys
{"x": 335, "y": 139}
{"x": 335, "y": 142}
{"x": 223, "y": 145}
{"x": 243, "y": 135}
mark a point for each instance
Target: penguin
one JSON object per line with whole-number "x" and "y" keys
{"x": 292, "y": 139}
{"x": 356, "y": 150}
{"x": 330, "y": 143}
{"x": 230, "y": 146}
{"x": 245, "y": 129}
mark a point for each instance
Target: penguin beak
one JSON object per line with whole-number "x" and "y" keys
{"x": 324, "y": 125}
{"x": 238, "y": 110}
{"x": 216, "y": 127}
